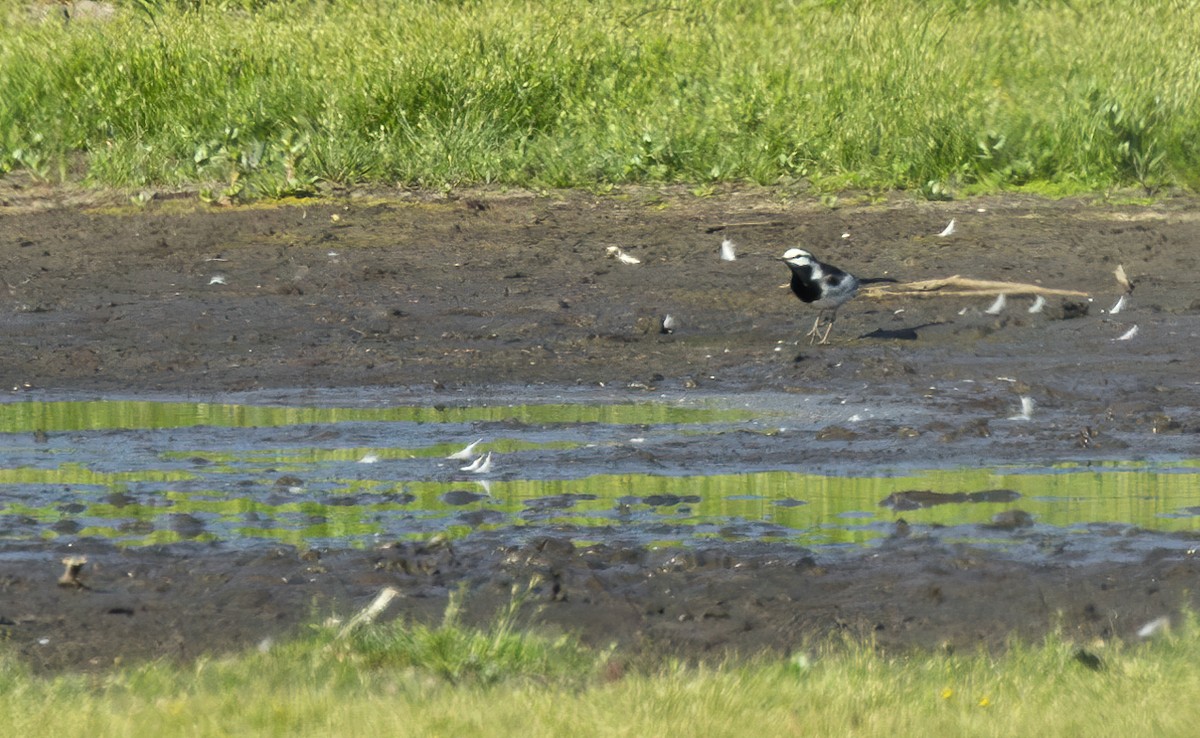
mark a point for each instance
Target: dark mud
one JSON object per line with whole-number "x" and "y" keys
{"x": 182, "y": 602}
{"x": 510, "y": 296}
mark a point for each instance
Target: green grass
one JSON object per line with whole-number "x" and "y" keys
{"x": 397, "y": 679}
{"x": 941, "y": 97}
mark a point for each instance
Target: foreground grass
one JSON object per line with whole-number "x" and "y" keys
{"x": 450, "y": 680}
{"x": 939, "y": 97}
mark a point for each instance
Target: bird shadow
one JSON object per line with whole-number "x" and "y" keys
{"x": 889, "y": 334}
{"x": 899, "y": 334}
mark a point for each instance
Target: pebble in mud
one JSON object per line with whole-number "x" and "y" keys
{"x": 1010, "y": 520}
{"x": 66, "y": 526}
{"x": 476, "y": 518}
{"x": 920, "y": 498}
{"x": 789, "y": 502}
{"x": 119, "y": 499}
{"x": 558, "y": 502}
{"x": 668, "y": 500}
{"x": 458, "y": 497}
{"x": 836, "y": 433}
{"x": 186, "y": 525}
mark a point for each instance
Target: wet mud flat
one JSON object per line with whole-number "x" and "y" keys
{"x": 180, "y": 602}
{"x": 436, "y": 299}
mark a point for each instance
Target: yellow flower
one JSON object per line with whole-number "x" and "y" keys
{"x": 947, "y": 693}
{"x": 984, "y": 702}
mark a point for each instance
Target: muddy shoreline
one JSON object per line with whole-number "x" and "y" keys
{"x": 434, "y": 299}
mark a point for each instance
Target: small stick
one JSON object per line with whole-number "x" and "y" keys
{"x": 1122, "y": 279}
{"x": 965, "y": 286}
{"x": 70, "y": 577}
{"x": 743, "y": 224}
{"x": 371, "y": 611}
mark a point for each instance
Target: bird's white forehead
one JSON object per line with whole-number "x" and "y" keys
{"x": 792, "y": 254}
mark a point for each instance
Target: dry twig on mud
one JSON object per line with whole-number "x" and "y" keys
{"x": 743, "y": 224}
{"x": 70, "y": 577}
{"x": 1123, "y": 280}
{"x": 959, "y": 286}
{"x": 370, "y": 612}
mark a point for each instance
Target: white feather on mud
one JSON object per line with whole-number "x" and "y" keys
{"x": 728, "y": 250}
{"x": 482, "y": 465}
{"x": 466, "y": 453}
{"x": 474, "y": 465}
{"x": 949, "y": 230}
{"x": 997, "y": 306}
{"x": 615, "y": 252}
{"x": 1161, "y": 624}
{"x": 486, "y": 466}
{"x": 1027, "y": 405}
{"x": 1039, "y": 304}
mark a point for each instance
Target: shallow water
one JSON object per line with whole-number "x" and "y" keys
{"x": 305, "y": 470}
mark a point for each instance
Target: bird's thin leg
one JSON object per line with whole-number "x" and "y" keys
{"x": 816, "y": 330}
{"x": 825, "y": 338}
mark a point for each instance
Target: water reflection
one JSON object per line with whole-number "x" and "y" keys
{"x": 144, "y": 473}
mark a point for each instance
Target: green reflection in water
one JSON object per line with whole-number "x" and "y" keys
{"x": 836, "y": 509}
{"x": 237, "y": 460}
{"x": 69, "y": 473}
{"x": 17, "y": 417}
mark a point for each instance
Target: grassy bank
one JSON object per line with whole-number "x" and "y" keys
{"x": 393, "y": 680}
{"x": 942, "y": 97}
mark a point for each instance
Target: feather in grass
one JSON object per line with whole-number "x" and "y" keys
{"x": 949, "y": 230}
{"x": 466, "y": 453}
{"x": 369, "y": 459}
{"x": 997, "y": 306}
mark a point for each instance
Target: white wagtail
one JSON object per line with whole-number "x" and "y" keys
{"x": 823, "y": 286}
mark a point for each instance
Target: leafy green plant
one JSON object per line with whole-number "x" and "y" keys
{"x": 461, "y": 654}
